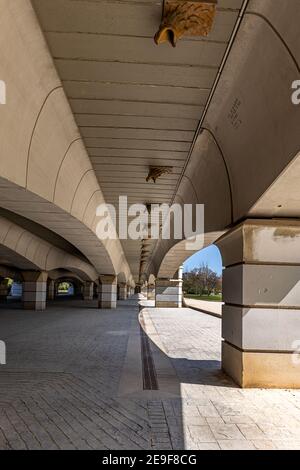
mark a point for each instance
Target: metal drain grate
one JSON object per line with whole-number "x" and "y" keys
{"x": 149, "y": 372}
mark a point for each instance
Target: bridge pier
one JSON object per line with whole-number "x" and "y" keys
{"x": 107, "y": 293}
{"x": 144, "y": 290}
{"x": 123, "y": 291}
{"x": 34, "y": 290}
{"x": 151, "y": 292}
{"x": 88, "y": 290}
{"x": 51, "y": 289}
{"x": 261, "y": 315}
{"x": 168, "y": 293}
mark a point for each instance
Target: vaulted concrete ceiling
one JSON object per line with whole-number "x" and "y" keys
{"x": 136, "y": 104}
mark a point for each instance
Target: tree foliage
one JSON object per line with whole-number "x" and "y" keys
{"x": 202, "y": 280}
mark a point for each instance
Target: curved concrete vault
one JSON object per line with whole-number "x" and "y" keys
{"x": 245, "y": 153}
{"x": 92, "y": 103}
{"x": 22, "y": 250}
{"x": 47, "y": 177}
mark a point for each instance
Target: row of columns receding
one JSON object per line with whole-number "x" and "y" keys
{"x": 37, "y": 288}
{"x": 261, "y": 295}
{"x": 261, "y": 303}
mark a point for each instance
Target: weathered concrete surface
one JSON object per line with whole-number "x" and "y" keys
{"x": 46, "y": 174}
{"x": 261, "y": 314}
{"x": 62, "y": 385}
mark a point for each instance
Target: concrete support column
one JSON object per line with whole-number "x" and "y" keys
{"x": 51, "y": 290}
{"x": 180, "y": 273}
{"x": 123, "y": 291}
{"x": 151, "y": 292}
{"x": 138, "y": 289}
{"x": 144, "y": 290}
{"x": 168, "y": 293}
{"x": 107, "y": 293}
{"x": 129, "y": 292}
{"x": 261, "y": 315}
{"x": 4, "y": 289}
{"x": 88, "y": 290}
{"x": 34, "y": 290}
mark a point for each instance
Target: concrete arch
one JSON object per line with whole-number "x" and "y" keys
{"x": 46, "y": 154}
{"x": 206, "y": 164}
{"x": 75, "y": 281}
{"x": 6, "y": 272}
{"x": 151, "y": 279}
{"x": 247, "y": 151}
{"x": 178, "y": 254}
{"x": 29, "y": 252}
{"x": 121, "y": 278}
{"x": 74, "y": 273}
{"x": 259, "y": 135}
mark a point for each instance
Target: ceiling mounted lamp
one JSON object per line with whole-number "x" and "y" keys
{"x": 185, "y": 18}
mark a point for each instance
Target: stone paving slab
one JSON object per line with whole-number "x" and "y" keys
{"x": 66, "y": 367}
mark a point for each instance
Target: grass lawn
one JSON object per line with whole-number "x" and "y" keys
{"x": 211, "y": 298}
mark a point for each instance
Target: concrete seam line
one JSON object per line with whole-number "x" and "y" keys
{"x": 97, "y": 191}
{"x": 35, "y": 126}
{"x": 214, "y": 87}
{"x": 226, "y": 169}
{"x": 211, "y": 95}
{"x": 77, "y": 187}
{"x": 61, "y": 164}
{"x": 259, "y": 15}
{"x": 46, "y": 262}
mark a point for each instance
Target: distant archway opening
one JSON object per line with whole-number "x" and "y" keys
{"x": 65, "y": 289}
{"x": 10, "y": 289}
{"x": 202, "y": 277}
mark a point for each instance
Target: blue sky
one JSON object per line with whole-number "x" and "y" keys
{"x": 210, "y": 256}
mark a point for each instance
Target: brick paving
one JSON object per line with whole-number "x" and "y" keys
{"x": 61, "y": 389}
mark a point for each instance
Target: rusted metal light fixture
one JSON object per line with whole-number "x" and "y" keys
{"x": 185, "y": 18}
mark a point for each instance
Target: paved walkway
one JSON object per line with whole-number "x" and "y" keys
{"x": 79, "y": 377}
{"x": 214, "y": 308}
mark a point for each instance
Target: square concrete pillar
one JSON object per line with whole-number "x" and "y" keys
{"x": 107, "y": 292}
{"x": 88, "y": 290}
{"x": 261, "y": 314}
{"x": 151, "y": 292}
{"x": 138, "y": 289}
{"x": 144, "y": 290}
{"x": 129, "y": 292}
{"x": 122, "y": 291}
{"x": 168, "y": 293}
{"x": 34, "y": 290}
{"x": 51, "y": 289}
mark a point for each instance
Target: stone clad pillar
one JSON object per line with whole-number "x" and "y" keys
{"x": 123, "y": 291}
{"x": 261, "y": 315}
{"x": 168, "y": 293}
{"x": 144, "y": 290}
{"x": 151, "y": 292}
{"x": 51, "y": 289}
{"x": 34, "y": 290}
{"x": 107, "y": 293}
{"x": 88, "y": 290}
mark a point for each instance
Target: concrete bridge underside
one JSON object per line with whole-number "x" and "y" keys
{"x": 92, "y": 103}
